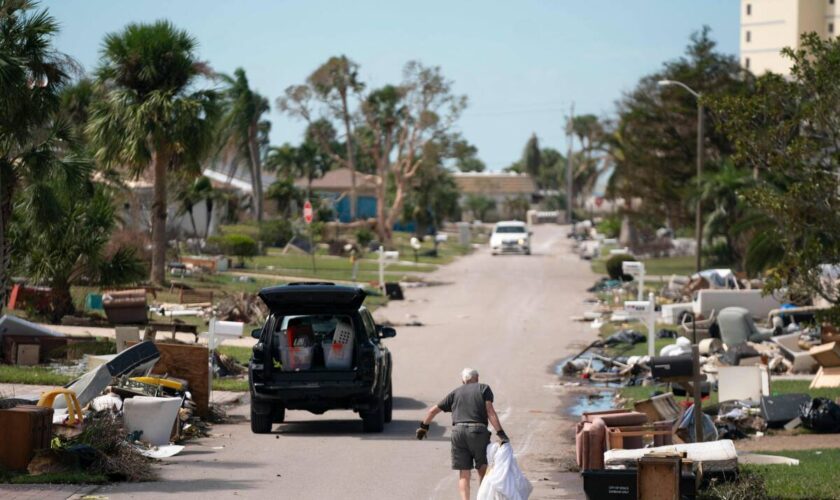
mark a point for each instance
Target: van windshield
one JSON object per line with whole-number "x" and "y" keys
{"x": 510, "y": 229}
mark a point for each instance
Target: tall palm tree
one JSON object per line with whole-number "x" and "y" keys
{"x": 32, "y": 74}
{"x": 150, "y": 116}
{"x": 244, "y": 132}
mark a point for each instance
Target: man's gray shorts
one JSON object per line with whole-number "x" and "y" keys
{"x": 469, "y": 446}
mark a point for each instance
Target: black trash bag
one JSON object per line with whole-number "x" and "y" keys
{"x": 664, "y": 333}
{"x": 630, "y": 337}
{"x": 820, "y": 415}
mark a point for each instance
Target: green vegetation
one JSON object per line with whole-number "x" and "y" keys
{"x": 814, "y": 477}
{"x": 37, "y": 375}
{"x": 614, "y": 266}
{"x": 230, "y": 384}
{"x": 663, "y": 266}
{"x": 241, "y": 354}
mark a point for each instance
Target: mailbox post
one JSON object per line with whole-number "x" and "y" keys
{"x": 637, "y": 271}
{"x": 644, "y": 311}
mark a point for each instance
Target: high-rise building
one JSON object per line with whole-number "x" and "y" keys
{"x": 768, "y": 26}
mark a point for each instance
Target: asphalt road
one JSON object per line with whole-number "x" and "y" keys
{"x": 505, "y": 316}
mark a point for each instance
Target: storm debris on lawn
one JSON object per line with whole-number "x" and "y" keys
{"x": 242, "y": 306}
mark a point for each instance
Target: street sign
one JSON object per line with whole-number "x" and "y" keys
{"x": 307, "y": 212}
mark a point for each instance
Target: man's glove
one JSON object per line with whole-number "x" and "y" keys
{"x": 422, "y": 431}
{"x": 503, "y": 438}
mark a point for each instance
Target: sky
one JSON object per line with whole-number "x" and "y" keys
{"x": 521, "y": 63}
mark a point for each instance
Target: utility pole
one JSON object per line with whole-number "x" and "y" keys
{"x": 569, "y": 139}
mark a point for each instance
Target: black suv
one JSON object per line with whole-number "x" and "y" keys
{"x": 319, "y": 350}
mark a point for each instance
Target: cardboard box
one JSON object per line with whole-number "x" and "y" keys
{"x": 827, "y": 355}
{"x": 24, "y": 430}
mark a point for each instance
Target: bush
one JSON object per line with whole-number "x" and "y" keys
{"x": 364, "y": 236}
{"x": 614, "y": 266}
{"x": 276, "y": 233}
{"x": 238, "y": 245}
{"x": 610, "y": 226}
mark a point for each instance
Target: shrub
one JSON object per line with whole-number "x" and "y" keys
{"x": 364, "y": 236}
{"x": 610, "y": 226}
{"x": 614, "y": 266}
{"x": 276, "y": 233}
{"x": 238, "y": 245}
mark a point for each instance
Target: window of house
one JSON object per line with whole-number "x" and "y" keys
{"x": 749, "y": 9}
{"x": 831, "y": 28}
{"x": 748, "y": 36}
{"x": 831, "y": 2}
{"x": 747, "y": 62}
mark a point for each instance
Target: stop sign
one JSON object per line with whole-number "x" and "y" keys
{"x": 307, "y": 212}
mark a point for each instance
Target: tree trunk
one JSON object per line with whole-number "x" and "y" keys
{"x": 7, "y": 188}
{"x": 160, "y": 165}
{"x": 351, "y": 161}
{"x": 396, "y": 208}
{"x": 192, "y": 221}
{"x": 62, "y": 301}
{"x": 256, "y": 172}
{"x": 381, "y": 223}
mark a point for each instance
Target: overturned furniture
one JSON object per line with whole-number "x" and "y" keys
{"x": 737, "y": 327}
{"x": 126, "y": 307}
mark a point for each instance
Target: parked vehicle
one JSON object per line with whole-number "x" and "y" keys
{"x": 319, "y": 350}
{"x": 510, "y": 237}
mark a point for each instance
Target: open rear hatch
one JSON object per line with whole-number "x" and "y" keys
{"x": 312, "y": 298}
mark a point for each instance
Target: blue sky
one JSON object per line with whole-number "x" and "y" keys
{"x": 521, "y": 63}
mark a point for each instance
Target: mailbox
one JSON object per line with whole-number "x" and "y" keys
{"x": 672, "y": 367}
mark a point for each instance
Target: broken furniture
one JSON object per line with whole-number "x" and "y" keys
{"x": 662, "y": 407}
{"x": 26, "y": 343}
{"x": 592, "y": 430}
{"x": 658, "y": 476}
{"x": 190, "y": 363}
{"x": 154, "y": 417}
{"x": 828, "y": 357}
{"x": 701, "y": 328}
{"x": 192, "y": 296}
{"x": 802, "y": 360}
{"x": 138, "y": 358}
{"x": 662, "y": 433}
{"x": 754, "y": 301}
{"x": 126, "y": 307}
{"x": 24, "y": 430}
{"x": 713, "y": 456}
{"x": 125, "y": 334}
{"x": 737, "y": 327}
{"x": 74, "y": 409}
{"x": 685, "y": 371}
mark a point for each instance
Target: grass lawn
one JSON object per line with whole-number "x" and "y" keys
{"x": 241, "y": 354}
{"x": 231, "y": 384}
{"x": 37, "y": 375}
{"x": 816, "y": 476}
{"x": 664, "y": 266}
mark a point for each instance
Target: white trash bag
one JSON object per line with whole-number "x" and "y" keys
{"x": 504, "y": 479}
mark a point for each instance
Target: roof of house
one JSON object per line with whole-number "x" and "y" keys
{"x": 338, "y": 181}
{"x": 494, "y": 183}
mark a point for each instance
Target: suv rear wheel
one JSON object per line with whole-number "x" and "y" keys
{"x": 261, "y": 415}
{"x": 374, "y": 420}
{"x": 278, "y": 416}
{"x": 389, "y": 403}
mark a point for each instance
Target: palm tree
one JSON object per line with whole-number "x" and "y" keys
{"x": 149, "y": 116}
{"x": 192, "y": 193}
{"x": 244, "y": 135}
{"x": 74, "y": 252}
{"x": 32, "y": 74}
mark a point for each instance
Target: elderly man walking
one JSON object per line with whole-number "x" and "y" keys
{"x": 471, "y": 406}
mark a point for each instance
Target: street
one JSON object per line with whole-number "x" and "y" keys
{"x": 504, "y": 316}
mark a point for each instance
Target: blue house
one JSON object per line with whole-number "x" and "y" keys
{"x": 334, "y": 186}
